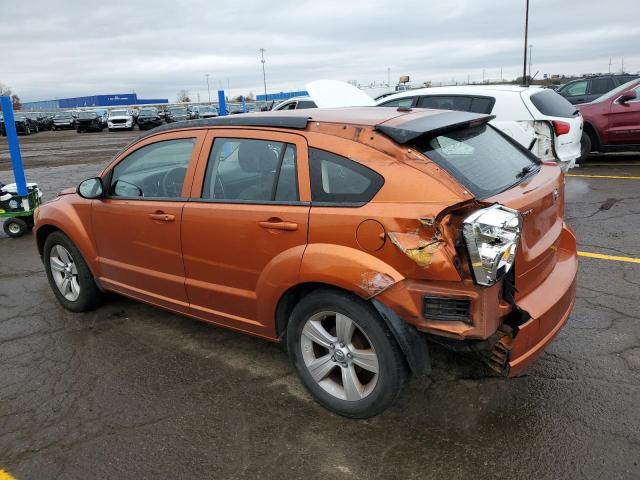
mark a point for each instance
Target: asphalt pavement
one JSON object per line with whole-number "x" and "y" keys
{"x": 131, "y": 391}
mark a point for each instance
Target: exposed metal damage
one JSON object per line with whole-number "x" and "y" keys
{"x": 414, "y": 246}
{"x": 375, "y": 282}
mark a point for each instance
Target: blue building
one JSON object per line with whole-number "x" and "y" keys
{"x": 111, "y": 100}
{"x": 281, "y": 96}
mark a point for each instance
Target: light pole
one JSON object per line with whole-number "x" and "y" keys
{"x": 526, "y": 40}
{"x": 264, "y": 76}
{"x": 530, "y": 57}
{"x": 208, "y": 87}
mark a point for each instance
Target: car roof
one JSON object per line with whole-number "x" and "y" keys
{"x": 401, "y": 124}
{"x": 462, "y": 90}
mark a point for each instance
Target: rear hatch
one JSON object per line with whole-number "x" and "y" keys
{"x": 540, "y": 201}
{"x": 557, "y": 117}
{"x": 495, "y": 169}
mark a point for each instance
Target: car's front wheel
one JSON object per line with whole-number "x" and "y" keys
{"x": 345, "y": 354}
{"x": 68, "y": 274}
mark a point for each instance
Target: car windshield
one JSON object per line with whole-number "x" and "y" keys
{"x": 63, "y": 115}
{"x": 481, "y": 159}
{"x": 119, "y": 113}
{"x": 19, "y": 116}
{"x": 616, "y": 91}
{"x": 206, "y": 109}
{"x": 147, "y": 112}
{"x": 88, "y": 114}
{"x": 178, "y": 111}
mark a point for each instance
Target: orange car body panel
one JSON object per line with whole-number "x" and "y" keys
{"x": 223, "y": 263}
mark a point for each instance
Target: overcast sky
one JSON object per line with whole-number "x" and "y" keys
{"x": 52, "y": 49}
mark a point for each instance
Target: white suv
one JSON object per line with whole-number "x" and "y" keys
{"x": 120, "y": 119}
{"x": 537, "y": 118}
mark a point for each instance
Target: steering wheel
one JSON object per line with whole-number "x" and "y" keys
{"x": 171, "y": 183}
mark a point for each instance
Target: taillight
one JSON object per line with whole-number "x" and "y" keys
{"x": 561, "y": 128}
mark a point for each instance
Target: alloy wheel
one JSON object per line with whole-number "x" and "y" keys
{"x": 64, "y": 272}
{"x": 339, "y": 356}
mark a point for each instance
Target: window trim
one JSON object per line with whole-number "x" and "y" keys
{"x": 207, "y": 158}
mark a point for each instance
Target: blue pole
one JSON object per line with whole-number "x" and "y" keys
{"x": 244, "y": 105}
{"x": 222, "y": 104}
{"x": 14, "y": 145}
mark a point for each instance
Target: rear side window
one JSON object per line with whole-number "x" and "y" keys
{"x": 601, "y": 85}
{"x": 336, "y": 179}
{"x": 551, "y": 104}
{"x": 451, "y": 102}
{"x": 399, "y": 102}
{"x": 247, "y": 170}
{"x": 480, "y": 158}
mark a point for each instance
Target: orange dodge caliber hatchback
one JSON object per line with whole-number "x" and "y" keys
{"x": 349, "y": 234}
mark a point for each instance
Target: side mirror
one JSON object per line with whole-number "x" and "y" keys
{"x": 91, "y": 188}
{"x": 628, "y": 95}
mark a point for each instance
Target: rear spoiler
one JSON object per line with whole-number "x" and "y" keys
{"x": 432, "y": 125}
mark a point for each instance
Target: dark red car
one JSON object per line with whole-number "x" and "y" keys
{"x": 612, "y": 121}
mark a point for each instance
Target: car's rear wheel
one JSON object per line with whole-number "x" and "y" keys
{"x": 586, "y": 144}
{"x": 68, "y": 274}
{"x": 345, "y": 355}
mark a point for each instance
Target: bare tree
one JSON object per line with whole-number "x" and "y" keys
{"x": 15, "y": 100}
{"x": 183, "y": 96}
{"x": 5, "y": 91}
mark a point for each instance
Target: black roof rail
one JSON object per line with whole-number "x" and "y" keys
{"x": 251, "y": 120}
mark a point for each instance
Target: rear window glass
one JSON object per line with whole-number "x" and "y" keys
{"x": 336, "y": 179}
{"x": 452, "y": 102}
{"x": 480, "y": 158}
{"x": 551, "y": 104}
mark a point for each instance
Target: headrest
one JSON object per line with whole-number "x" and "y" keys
{"x": 256, "y": 156}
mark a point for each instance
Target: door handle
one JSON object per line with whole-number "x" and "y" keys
{"x": 162, "y": 217}
{"x": 279, "y": 225}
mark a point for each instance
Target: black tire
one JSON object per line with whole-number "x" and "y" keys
{"x": 111, "y": 129}
{"x": 79, "y": 131}
{"x": 15, "y": 227}
{"x": 89, "y": 295}
{"x": 586, "y": 145}
{"x": 27, "y": 131}
{"x": 392, "y": 371}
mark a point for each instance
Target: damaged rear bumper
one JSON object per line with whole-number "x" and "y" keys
{"x": 549, "y": 307}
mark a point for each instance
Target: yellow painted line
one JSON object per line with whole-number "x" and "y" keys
{"x": 602, "y": 176}
{"x": 6, "y": 475}
{"x": 601, "y": 257}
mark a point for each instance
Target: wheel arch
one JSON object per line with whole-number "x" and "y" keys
{"x": 412, "y": 343}
{"x": 590, "y": 130}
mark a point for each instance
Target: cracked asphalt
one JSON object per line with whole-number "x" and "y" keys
{"x": 130, "y": 391}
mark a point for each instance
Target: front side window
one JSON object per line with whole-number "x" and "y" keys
{"x": 578, "y": 88}
{"x": 399, "y": 102}
{"x": 248, "y": 170}
{"x": 480, "y": 158}
{"x": 336, "y": 179}
{"x": 153, "y": 171}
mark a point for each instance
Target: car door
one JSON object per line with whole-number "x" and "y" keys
{"x": 244, "y": 228}
{"x": 623, "y": 126}
{"x": 136, "y": 225}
